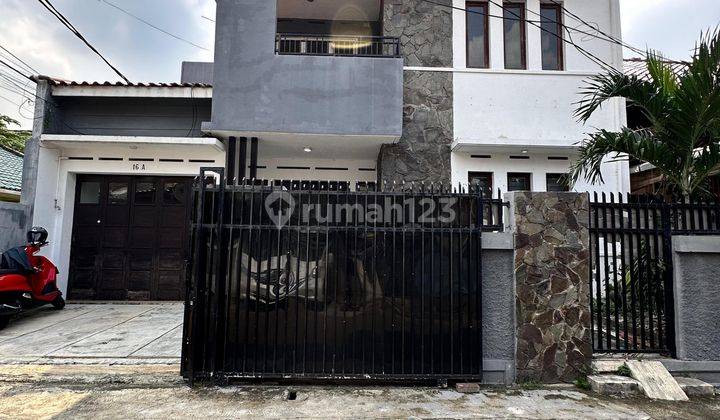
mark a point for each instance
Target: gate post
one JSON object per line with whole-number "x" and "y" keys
{"x": 552, "y": 291}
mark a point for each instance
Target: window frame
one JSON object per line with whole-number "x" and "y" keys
{"x": 517, "y": 174}
{"x": 523, "y": 33}
{"x": 560, "y": 38}
{"x": 552, "y": 174}
{"x": 479, "y": 174}
{"x": 486, "y": 6}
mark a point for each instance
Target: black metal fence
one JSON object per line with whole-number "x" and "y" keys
{"x": 315, "y": 280}
{"x": 631, "y": 280}
{"x": 337, "y": 45}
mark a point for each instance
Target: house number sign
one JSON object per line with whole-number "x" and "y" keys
{"x": 139, "y": 167}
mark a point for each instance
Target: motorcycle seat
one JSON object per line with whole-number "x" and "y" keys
{"x": 9, "y": 271}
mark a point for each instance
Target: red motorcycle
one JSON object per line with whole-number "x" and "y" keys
{"x": 27, "y": 280}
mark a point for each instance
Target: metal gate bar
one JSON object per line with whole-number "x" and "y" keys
{"x": 350, "y": 284}
{"x": 632, "y": 308}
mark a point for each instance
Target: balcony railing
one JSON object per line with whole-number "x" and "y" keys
{"x": 337, "y": 45}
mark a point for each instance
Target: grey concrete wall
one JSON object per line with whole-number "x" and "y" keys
{"x": 154, "y": 117}
{"x": 256, "y": 90}
{"x": 16, "y": 218}
{"x": 696, "y": 265}
{"x": 498, "y": 309}
{"x": 13, "y": 219}
{"x": 196, "y": 72}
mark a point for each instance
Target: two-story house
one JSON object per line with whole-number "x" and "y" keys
{"x": 341, "y": 91}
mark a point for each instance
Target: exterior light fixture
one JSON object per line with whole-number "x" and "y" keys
{"x": 524, "y": 151}
{"x": 307, "y": 150}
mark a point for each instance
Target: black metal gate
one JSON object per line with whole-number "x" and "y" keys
{"x": 294, "y": 279}
{"x": 632, "y": 304}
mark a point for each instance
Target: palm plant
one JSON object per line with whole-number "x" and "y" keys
{"x": 680, "y": 134}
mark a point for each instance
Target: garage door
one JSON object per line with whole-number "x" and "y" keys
{"x": 129, "y": 238}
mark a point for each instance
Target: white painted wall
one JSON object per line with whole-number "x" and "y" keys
{"x": 532, "y": 108}
{"x": 357, "y": 170}
{"x": 616, "y": 175}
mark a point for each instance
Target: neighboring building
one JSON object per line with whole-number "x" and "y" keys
{"x": 11, "y": 165}
{"x": 360, "y": 90}
{"x": 644, "y": 177}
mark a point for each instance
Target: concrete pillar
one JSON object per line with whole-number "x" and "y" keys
{"x": 16, "y": 218}
{"x": 552, "y": 293}
{"x": 426, "y": 32}
{"x": 696, "y": 264}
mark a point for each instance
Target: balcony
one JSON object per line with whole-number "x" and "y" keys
{"x": 337, "y": 45}
{"x": 290, "y": 71}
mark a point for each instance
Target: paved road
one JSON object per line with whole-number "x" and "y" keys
{"x": 66, "y": 399}
{"x": 95, "y": 334}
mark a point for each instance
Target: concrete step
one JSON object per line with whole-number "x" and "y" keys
{"x": 695, "y": 387}
{"x": 606, "y": 365}
{"x": 615, "y": 385}
{"x": 656, "y": 381}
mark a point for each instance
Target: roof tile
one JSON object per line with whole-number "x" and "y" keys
{"x": 11, "y": 166}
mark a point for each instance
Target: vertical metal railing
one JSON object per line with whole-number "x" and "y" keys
{"x": 297, "y": 279}
{"x": 632, "y": 302}
{"x": 337, "y": 45}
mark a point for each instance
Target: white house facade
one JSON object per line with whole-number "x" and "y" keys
{"x": 370, "y": 91}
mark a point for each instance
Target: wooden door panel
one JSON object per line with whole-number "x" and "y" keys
{"x": 171, "y": 259}
{"x": 143, "y": 238}
{"x": 174, "y": 217}
{"x": 117, "y": 216}
{"x": 139, "y": 281}
{"x": 114, "y": 237}
{"x": 130, "y": 238}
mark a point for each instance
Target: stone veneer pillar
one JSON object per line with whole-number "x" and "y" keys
{"x": 552, "y": 294}
{"x": 423, "y": 152}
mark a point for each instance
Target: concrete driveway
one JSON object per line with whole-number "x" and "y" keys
{"x": 129, "y": 334}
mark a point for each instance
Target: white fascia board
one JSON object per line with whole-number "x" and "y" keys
{"x": 60, "y": 140}
{"x": 134, "y": 92}
{"x": 510, "y": 144}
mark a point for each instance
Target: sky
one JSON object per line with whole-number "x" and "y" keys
{"x": 144, "y": 54}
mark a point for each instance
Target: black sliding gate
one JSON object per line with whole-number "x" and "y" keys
{"x": 631, "y": 282}
{"x": 317, "y": 280}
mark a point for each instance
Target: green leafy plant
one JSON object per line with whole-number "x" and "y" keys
{"x": 583, "y": 383}
{"x": 680, "y": 130}
{"x": 14, "y": 140}
{"x": 531, "y": 385}
{"x": 624, "y": 370}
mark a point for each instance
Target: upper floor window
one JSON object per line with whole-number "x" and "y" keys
{"x": 477, "y": 34}
{"x": 552, "y": 36}
{"x": 514, "y": 23}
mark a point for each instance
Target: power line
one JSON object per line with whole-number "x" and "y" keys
{"x": 592, "y": 57}
{"x": 598, "y": 30}
{"x": 179, "y": 38}
{"x": 581, "y": 50}
{"x": 25, "y": 76}
{"x": 20, "y": 60}
{"x": 48, "y": 5}
{"x": 17, "y": 88}
{"x": 10, "y": 100}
